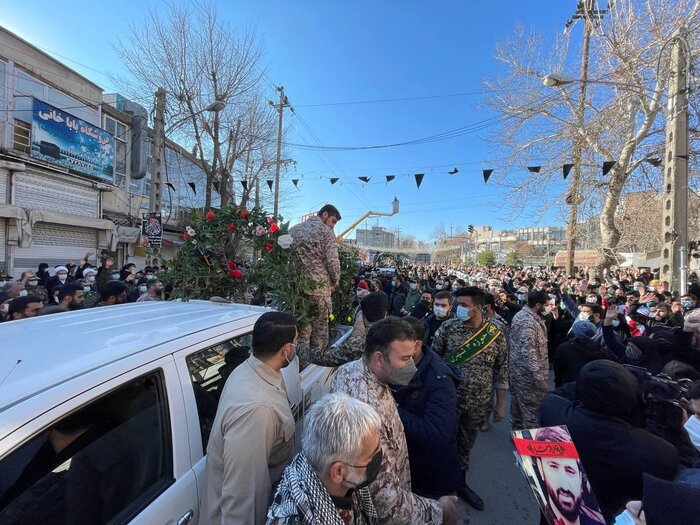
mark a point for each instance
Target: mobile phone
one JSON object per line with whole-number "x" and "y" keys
{"x": 626, "y": 518}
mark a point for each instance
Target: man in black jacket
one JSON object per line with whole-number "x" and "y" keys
{"x": 442, "y": 311}
{"x": 575, "y": 352}
{"x": 603, "y": 424}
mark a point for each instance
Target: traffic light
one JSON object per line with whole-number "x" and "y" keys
{"x": 471, "y": 228}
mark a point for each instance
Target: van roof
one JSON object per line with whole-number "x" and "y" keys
{"x": 42, "y": 352}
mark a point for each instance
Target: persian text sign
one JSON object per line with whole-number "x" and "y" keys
{"x": 60, "y": 138}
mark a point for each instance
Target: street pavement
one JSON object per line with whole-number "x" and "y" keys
{"x": 508, "y": 499}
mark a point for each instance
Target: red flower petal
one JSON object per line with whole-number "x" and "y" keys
{"x": 273, "y": 228}
{"x": 210, "y": 216}
{"x": 231, "y": 227}
{"x": 185, "y": 235}
{"x": 268, "y": 247}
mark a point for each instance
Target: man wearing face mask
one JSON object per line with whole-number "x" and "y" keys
{"x": 521, "y": 295}
{"x": 33, "y": 288}
{"x": 442, "y": 311}
{"x": 388, "y": 360}
{"x": 59, "y": 279}
{"x": 424, "y": 307}
{"x": 150, "y": 290}
{"x": 252, "y": 437}
{"x": 529, "y": 361}
{"x": 327, "y": 482}
{"x": 413, "y": 297}
{"x": 477, "y": 348}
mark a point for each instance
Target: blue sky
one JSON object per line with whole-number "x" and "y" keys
{"x": 331, "y": 51}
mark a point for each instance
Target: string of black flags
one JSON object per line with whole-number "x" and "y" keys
{"x": 418, "y": 177}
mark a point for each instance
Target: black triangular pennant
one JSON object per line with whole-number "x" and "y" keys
{"x": 194, "y": 188}
{"x": 534, "y": 169}
{"x": 334, "y": 180}
{"x": 296, "y": 183}
{"x": 419, "y": 179}
{"x": 170, "y": 185}
{"x": 270, "y": 182}
{"x": 389, "y": 178}
{"x": 567, "y": 169}
{"x": 244, "y": 183}
{"x": 216, "y": 186}
{"x": 684, "y": 157}
{"x": 364, "y": 179}
{"x": 656, "y": 162}
{"x": 456, "y": 170}
{"x": 608, "y": 165}
{"x": 487, "y": 174}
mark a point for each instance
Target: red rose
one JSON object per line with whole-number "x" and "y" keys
{"x": 231, "y": 227}
{"x": 244, "y": 214}
{"x": 185, "y": 235}
{"x": 231, "y": 265}
{"x": 210, "y": 216}
{"x": 268, "y": 247}
{"x": 236, "y": 274}
{"x": 273, "y": 228}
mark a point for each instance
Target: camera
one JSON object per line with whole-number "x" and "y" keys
{"x": 664, "y": 399}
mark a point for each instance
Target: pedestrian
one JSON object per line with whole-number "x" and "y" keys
{"x": 428, "y": 411}
{"x": 388, "y": 360}
{"x": 43, "y": 274}
{"x": 397, "y": 296}
{"x": 412, "y": 298}
{"x": 478, "y": 349}
{"x": 529, "y": 361}
{"x": 71, "y": 296}
{"x": 113, "y": 292}
{"x": 319, "y": 252}
{"x": 425, "y": 305}
{"x": 24, "y": 307}
{"x": 252, "y": 437}
{"x": 59, "y": 278}
{"x": 34, "y": 288}
{"x": 327, "y": 482}
{"x": 150, "y": 290}
{"x": 442, "y": 311}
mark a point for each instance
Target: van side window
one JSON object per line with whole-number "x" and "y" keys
{"x": 103, "y": 463}
{"x": 209, "y": 369}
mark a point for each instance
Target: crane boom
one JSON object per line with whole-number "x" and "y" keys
{"x": 394, "y": 211}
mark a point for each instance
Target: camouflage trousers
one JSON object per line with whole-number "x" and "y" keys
{"x": 315, "y": 334}
{"x": 524, "y": 405}
{"x": 471, "y": 408}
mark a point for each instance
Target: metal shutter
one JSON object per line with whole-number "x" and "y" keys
{"x": 55, "y": 244}
{"x": 34, "y": 192}
{"x": 3, "y": 187}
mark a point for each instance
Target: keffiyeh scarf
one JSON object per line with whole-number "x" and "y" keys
{"x": 301, "y": 493}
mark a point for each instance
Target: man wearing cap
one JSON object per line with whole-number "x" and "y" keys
{"x": 573, "y": 354}
{"x": 34, "y": 288}
{"x": 521, "y": 295}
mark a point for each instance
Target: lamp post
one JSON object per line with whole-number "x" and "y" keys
{"x": 675, "y": 163}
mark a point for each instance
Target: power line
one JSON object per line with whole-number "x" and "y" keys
{"x": 380, "y": 101}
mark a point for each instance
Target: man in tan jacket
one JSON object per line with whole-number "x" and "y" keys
{"x": 252, "y": 437}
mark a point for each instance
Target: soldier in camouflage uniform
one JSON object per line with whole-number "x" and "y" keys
{"x": 388, "y": 360}
{"x": 373, "y": 308}
{"x": 529, "y": 362}
{"x": 485, "y": 369}
{"x": 319, "y": 251}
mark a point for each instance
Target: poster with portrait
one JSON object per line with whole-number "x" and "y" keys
{"x": 552, "y": 467}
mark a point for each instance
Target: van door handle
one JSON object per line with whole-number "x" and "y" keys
{"x": 186, "y": 518}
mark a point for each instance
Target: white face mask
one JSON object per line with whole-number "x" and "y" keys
{"x": 440, "y": 311}
{"x": 5, "y": 308}
{"x": 91, "y": 279}
{"x": 143, "y": 289}
{"x": 86, "y": 289}
{"x": 462, "y": 313}
{"x": 62, "y": 276}
{"x": 583, "y": 316}
{"x": 23, "y": 293}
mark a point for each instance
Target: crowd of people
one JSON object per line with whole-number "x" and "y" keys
{"x": 73, "y": 286}
{"x": 434, "y": 355}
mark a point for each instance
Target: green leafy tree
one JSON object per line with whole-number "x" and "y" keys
{"x": 514, "y": 259}
{"x": 486, "y": 258}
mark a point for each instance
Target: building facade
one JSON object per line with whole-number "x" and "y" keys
{"x": 74, "y": 167}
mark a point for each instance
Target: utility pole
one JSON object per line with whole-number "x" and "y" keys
{"x": 674, "y": 259}
{"x": 283, "y": 103}
{"x": 584, "y": 11}
{"x": 155, "y": 203}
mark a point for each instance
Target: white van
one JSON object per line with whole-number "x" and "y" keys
{"x": 105, "y": 413}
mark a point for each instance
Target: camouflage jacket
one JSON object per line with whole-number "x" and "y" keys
{"x": 319, "y": 251}
{"x": 484, "y": 372}
{"x": 391, "y": 491}
{"x": 336, "y": 355}
{"x": 529, "y": 361}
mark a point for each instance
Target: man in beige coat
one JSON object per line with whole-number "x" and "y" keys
{"x": 252, "y": 438}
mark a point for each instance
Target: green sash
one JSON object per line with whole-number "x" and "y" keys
{"x": 473, "y": 346}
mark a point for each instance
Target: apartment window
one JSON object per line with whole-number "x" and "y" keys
{"x": 119, "y": 131}
{"x": 22, "y": 137}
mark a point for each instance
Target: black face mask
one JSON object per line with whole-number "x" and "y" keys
{"x": 371, "y": 472}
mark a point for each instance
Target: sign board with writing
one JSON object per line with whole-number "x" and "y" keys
{"x": 152, "y": 229}
{"x": 550, "y": 462}
{"x": 60, "y": 138}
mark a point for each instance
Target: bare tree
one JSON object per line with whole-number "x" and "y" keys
{"x": 214, "y": 83}
{"x": 622, "y": 123}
